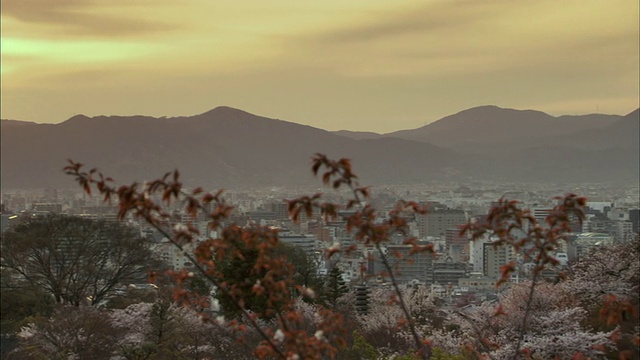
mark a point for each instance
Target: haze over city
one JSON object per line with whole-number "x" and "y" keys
{"x": 355, "y": 65}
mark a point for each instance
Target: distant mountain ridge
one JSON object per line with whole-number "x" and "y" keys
{"x": 227, "y": 147}
{"x": 491, "y": 124}
{"x": 223, "y": 147}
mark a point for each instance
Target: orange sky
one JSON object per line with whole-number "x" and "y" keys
{"x": 359, "y": 65}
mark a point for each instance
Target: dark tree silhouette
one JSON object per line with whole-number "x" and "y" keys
{"x": 334, "y": 287}
{"x": 73, "y": 259}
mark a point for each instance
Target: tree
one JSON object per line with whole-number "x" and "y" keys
{"x": 243, "y": 269}
{"x": 554, "y": 328}
{"x": 606, "y": 282}
{"x": 239, "y": 271}
{"x": 384, "y": 326}
{"x": 153, "y": 331}
{"x": 71, "y": 333}
{"x": 334, "y": 287}
{"x": 21, "y": 301}
{"x": 306, "y": 268}
{"x": 73, "y": 259}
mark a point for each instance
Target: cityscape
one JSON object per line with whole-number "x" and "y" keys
{"x": 388, "y": 180}
{"x": 459, "y": 274}
{"x": 612, "y": 216}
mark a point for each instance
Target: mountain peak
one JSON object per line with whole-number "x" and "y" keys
{"x": 493, "y": 109}
{"x": 227, "y": 111}
{"x": 77, "y": 118}
{"x": 485, "y": 107}
{"x": 634, "y": 114}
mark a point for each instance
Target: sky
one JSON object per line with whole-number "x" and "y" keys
{"x": 333, "y": 64}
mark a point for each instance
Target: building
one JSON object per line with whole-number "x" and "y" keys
{"x": 262, "y": 216}
{"x": 477, "y": 283}
{"x": 586, "y": 241}
{"x": 447, "y": 272}
{"x": 407, "y": 266}
{"x": 46, "y": 208}
{"x": 634, "y": 217}
{"x": 280, "y": 210}
{"x": 624, "y": 231}
{"x": 173, "y": 256}
{"x": 305, "y": 242}
{"x": 102, "y": 212}
{"x": 540, "y": 214}
{"x": 494, "y": 257}
{"x": 437, "y": 221}
{"x": 457, "y": 245}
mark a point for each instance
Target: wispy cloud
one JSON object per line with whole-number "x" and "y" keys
{"x": 83, "y": 18}
{"x": 459, "y": 38}
{"x": 432, "y": 17}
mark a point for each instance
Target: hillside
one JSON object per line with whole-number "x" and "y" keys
{"x": 223, "y": 147}
{"x": 490, "y": 128}
{"x": 231, "y": 148}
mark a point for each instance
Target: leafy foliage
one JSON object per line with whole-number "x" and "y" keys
{"x": 21, "y": 301}
{"x": 334, "y": 287}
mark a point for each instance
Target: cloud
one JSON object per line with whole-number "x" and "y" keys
{"x": 82, "y": 18}
{"x": 335, "y": 64}
{"x": 460, "y": 38}
{"x": 434, "y": 17}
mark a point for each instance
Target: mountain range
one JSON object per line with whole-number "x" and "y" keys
{"x": 230, "y": 148}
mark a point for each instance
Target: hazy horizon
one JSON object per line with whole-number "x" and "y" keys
{"x": 333, "y": 65}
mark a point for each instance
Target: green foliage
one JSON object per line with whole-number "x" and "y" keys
{"x": 361, "y": 349}
{"x": 334, "y": 287}
{"x": 440, "y": 354}
{"x": 197, "y": 284}
{"x": 240, "y": 272}
{"x": 243, "y": 270}
{"x": 21, "y": 301}
{"x": 305, "y": 269}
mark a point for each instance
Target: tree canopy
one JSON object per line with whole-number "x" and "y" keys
{"x": 75, "y": 260}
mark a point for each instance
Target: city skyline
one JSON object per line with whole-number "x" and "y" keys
{"x": 356, "y": 66}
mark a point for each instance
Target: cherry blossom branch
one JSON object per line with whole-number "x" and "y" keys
{"x": 338, "y": 173}
{"x": 132, "y": 200}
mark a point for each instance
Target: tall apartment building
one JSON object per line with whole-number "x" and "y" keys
{"x": 437, "y": 221}
{"x": 634, "y": 217}
{"x": 280, "y": 210}
{"x": 494, "y": 257}
{"x": 457, "y": 245}
{"x": 624, "y": 231}
{"x": 540, "y": 214}
{"x": 487, "y": 257}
